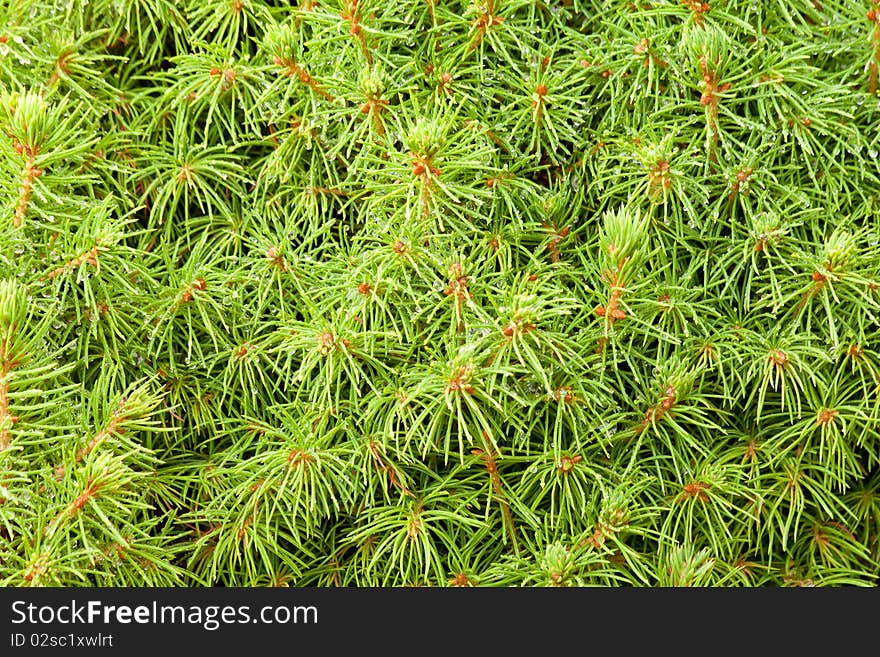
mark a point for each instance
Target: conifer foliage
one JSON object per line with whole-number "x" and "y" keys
{"x": 439, "y": 292}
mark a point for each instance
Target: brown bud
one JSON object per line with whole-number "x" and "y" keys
{"x": 778, "y": 357}
{"x": 826, "y": 416}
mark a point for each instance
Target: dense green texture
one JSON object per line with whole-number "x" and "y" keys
{"x": 419, "y": 292}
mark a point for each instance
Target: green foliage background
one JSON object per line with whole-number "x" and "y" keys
{"x": 429, "y": 292}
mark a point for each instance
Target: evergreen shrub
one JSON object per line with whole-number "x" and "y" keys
{"x": 439, "y": 293}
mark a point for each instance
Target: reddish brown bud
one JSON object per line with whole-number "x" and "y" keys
{"x": 567, "y": 463}
{"x": 826, "y": 416}
{"x": 778, "y": 357}
{"x": 563, "y": 394}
